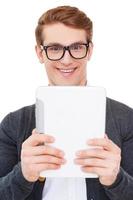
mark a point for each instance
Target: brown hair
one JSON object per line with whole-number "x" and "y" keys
{"x": 69, "y": 16}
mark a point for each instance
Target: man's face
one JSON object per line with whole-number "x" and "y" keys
{"x": 67, "y": 70}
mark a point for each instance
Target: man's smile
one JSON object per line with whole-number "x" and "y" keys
{"x": 66, "y": 72}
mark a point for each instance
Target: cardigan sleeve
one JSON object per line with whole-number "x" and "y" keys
{"x": 13, "y": 186}
{"x": 122, "y": 189}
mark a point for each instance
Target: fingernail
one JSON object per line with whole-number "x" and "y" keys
{"x": 78, "y": 153}
{"x": 75, "y": 161}
{"x": 89, "y": 142}
{"x": 34, "y": 131}
{"x": 52, "y": 139}
{"x": 63, "y": 161}
{"x": 61, "y": 153}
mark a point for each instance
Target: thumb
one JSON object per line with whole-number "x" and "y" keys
{"x": 34, "y": 131}
{"x": 106, "y": 136}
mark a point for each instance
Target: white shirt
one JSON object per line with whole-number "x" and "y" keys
{"x": 64, "y": 189}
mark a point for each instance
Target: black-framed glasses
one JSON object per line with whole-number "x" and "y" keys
{"x": 56, "y": 51}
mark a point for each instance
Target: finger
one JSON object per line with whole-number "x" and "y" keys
{"x": 42, "y": 150}
{"x": 96, "y": 170}
{"x": 34, "y": 131}
{"x": 45, "y": 159}
{"x": 101, "y": 172}
{"x": 92, "y": 162}
{"x": 105, "y": 143}
{"x": 106, "y": 136}
{"x": 37, "y": 139}
{"x": 42, "y": 167}
{"x": 88, "y": 153}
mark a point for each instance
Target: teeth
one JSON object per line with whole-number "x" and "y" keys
{"x": 66, "y": 70}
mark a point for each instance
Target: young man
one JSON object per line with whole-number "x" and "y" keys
{"x": 64, "y": 46}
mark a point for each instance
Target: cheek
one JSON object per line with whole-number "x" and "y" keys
{"x": 83, "y": 64}
{"x": 50, "y": 67}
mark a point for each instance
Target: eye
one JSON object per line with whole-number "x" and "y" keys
{"x": 55, "y": 48}
{"x": 76, "y": 47}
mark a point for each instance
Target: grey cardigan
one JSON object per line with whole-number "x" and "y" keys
{"x": 18, "y": 125}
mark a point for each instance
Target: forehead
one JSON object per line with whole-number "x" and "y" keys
{"x": 59, "y": 33}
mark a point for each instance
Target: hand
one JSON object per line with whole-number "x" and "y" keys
{"x": 104, "y": 161}
{"x": 36, "y": 157}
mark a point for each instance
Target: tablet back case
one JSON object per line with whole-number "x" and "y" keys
{"x": 72, "y": 114}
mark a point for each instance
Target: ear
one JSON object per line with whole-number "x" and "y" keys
{"x": 90, "y": 50}
{"x": 39, "y": 53}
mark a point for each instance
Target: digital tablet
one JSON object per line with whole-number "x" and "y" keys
{"x": 72, "y": 114}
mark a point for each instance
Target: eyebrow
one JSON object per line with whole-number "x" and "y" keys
{"x": 59, "y": 44}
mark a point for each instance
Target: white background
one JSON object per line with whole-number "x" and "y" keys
{"x": 111, "y": 64}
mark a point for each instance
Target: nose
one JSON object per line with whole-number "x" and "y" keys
{"x": 67, "y": 59}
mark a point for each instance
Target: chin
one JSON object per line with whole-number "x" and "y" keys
{"x": 67, "y": 84}
{"x": 63, "y": 82}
